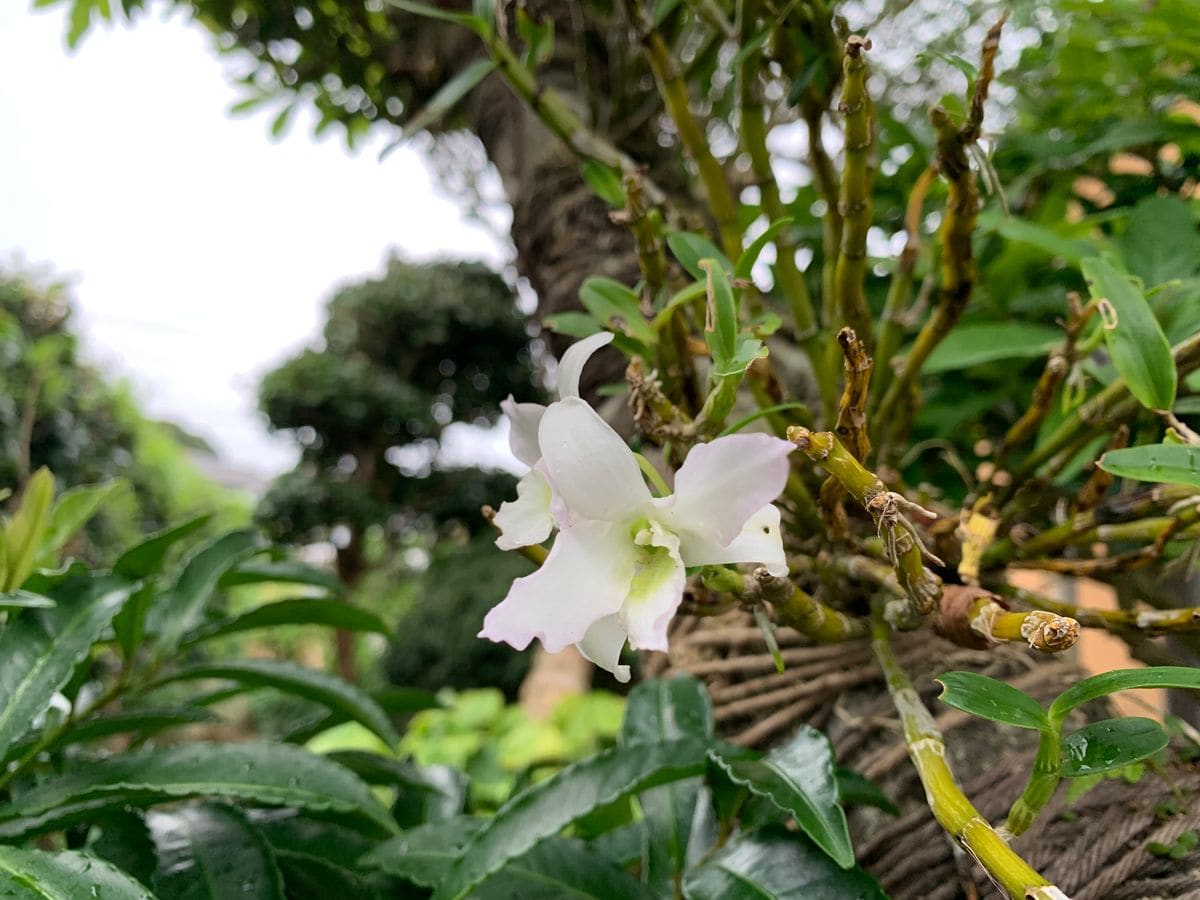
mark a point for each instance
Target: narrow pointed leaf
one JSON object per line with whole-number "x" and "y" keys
{"x": 267, "y": 774}
{"x": 745, "y": 263}
{"x": 212, "y": 852}
{"x": 142, "y": 720}
{"x": 991, "y": 699}
{"x": 73, "y": 510}
{"x": 25, "y": 530}
{"x": 300, "y": 611}
{"x": 39, "y": 651}
{"x": 617, "y": 308}
{"x": 1122, "y": 680}
{"x": 36, "y": 875}
{"x": 311, "y": 684}
{"x": 281, "y": 571}
{"x": 549, "y": 806}
{"x": 24, "y": 600}
{"x": 1162, "y": 463}
{"x": 690, "y": 248}
{"x": 448, "y": 96}
{"x": 147, "y": 557}
{"x": 799, "y": 778}
{"x": 1112, "y": 744}
{"x": 858, "y": 790}
{"x": 973, "y": 345}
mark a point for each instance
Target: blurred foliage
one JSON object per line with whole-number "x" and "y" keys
{"x": 59, "y": 411}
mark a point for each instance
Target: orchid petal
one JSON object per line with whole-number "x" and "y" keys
{"x": 656, "y": 589}
{"x": 590, "y": 467}
{"x": 760, "y": 542}
{"x": 602, "y": 645}
{"x": 528, "y": 519}
{"x": 585, "y": 578}
{"x": 570, "y": 367}
{"x": 723, "y": 483}
{"x": 523, "y": 422}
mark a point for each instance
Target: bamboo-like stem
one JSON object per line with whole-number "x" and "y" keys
{"x": 854, "y": 201}
{"x": 812, "y": 618}
{"x": 1043, "y": 779}
{"x": 851, "y": 426}
{"x": 1147, "y": 621}
{"x": 678, "y": 104}
{"x": 1044, "y": 631}
{"x": 904, "y": 547}
{"x": 949, "y": 805}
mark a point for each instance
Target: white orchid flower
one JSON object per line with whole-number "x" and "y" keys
{"x": 616, "y": 571}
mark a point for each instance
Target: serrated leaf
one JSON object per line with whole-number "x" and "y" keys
{"x": 312, "y": 876}
{"x": 799, "y": 779}
{"x": 1112, "y": 744}
{"x": 991, "y": 699}
{"x": 212, "y": 852}
{"x": 267, "y": 774}
{"x": 1139, "y": 349}
{"x": 134, "y": 719}
{"x": 1162, "y": 463}
{"x": 289, "y": 832}
{"x": 299, "y": 611}
{"x": 745, "y": 263}
{"x": 973, "y": 345}
{"x": 301, "y": 681}
{"x": 558, "y": 868}
{"x": 690, "y": 248}
{"x": 147, "y": 557}
{"x": 40, "y": 650}
{"x": 773, "y": 864}
{"x": 35, "y": 875}
{"x": 423, "y": 854}
{"x": 549, "y": 806}
{"x": 1122, "y": 680}
{"x": 385, "y": 770}
{"x": 616, "y": 307}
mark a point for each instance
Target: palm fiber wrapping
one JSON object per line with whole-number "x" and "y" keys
{"x": 1093, "y": 850}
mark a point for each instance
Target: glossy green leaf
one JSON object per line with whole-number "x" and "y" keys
{"x": 774, "y": 864}
{"x": 311, "y": 684}
{"x": 616, "y": 307}
{"x": 1163, "y": 463}
{"x": 1112, "y": 744}
{"x": 558, "y": 868}
{"x": 40, "y": 650}
{"x": 300, "y": 611}
{"x": 25, "y": 530}
{"x": 288, "y": 832}
{"x": 212, "y": 852}
{"x": 281, "y": 571}
{"x": 690, "y": 248}
{"x": 1122, "y": 680}
{"x": 122, "y": 838}
{"x": 267, "y": 774}
{"x": 72, "y": 511}
{"x": 143, "y": 720}
{"x": 423, "y": 854}
{"x": 721, "y": 325}
{"x": 24, "y": 600}
{"x": 976, "y": 344}
{"x": 666, "y": 709}
{"x": 572, "y": 324}
{"x": 178, "y": 611}
{"x": 991, "y": 699}
{"x": 311, "y": 876}
{"x": 1139, "y": 349}
{"x": 745, "y": 263}
{"x": 798, "y": 777}
{"x": 605, "y": 183}
{"x": 384, "y": 770}
{"x": 858, "y": 790}
{"x": 67, "y": 875}
{"x": 1160, "y": 242}
{"x": 147, "y": 558}
{"x": 549, "y": 806}
{"x": 622, "y": 845}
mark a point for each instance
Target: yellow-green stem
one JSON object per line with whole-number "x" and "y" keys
{"x": 1042, "y": 781}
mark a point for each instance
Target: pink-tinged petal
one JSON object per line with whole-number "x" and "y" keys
{"x": 523, "y": 422}
{"x": 760, "y": 542}
{"x": 655, "y": 591}
{"x": 723, "y": 483}
{"x": 602, "y": 645}
{"x": 590, "y": 466}
{"x": 528, "y": 519}
{"x": 570, "y": 367}
{"x": 585, "y": 578}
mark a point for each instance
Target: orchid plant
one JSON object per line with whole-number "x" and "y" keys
{"x": 617, "y": 569}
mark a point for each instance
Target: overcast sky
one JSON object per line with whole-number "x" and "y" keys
{"x": 200, "y": 250}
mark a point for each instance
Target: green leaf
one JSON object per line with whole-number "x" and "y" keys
{"x": 429, "y": 11}
{"x": 1122, "y": 680}
{"x": 1073, "y": 250}
{"x": 147, "y": 558}
{"x": 40, "y": 650}
{"x": 721, "y": 327}
{"x": 558, "y": 868}
{"x": 281, "y": 571}
{"x": 311, "y": 684}
{"x": 1139, "y": 349}
{"x": 35, "y": 875}
{"x": 291, "y": 833}
{"x": 549, "y": 806}
{"x": 384, "y": 770}
{"x": 212, "y": 852}
{"x": 1160, "y": 242}
{"x": 773, "y": 864}
{"x": 24, "y": 532}
{"x": 282, "y": 119}
{"x": 1164, "y": 463}
{"x": 134, "y": 719}
{"x": 973, "y": 345}
{"x": 858, "y": 790}
{"x": 991, "y": 699}
{"x": 423, "y": 854}
{"x": 312, "y": 876}
{"x": 24, "y": 600}
{"x": 605, "y": 183}
{"x": 667, "y": 709}
{"x": 1109, "y": 745}
{"x": 616, "y": 307}
{"x": 448, "y": 95}
{"x": 300, "y": 611}
{"x": 73, "y": 510}
{"x": 690, "y": 248}
{"x": 177, "y": 611}
{"x": 745, "y": 263}
{"x": 572, "y": 324}
{"x": 267, "y": 774}
{"x": 799, "y": 779}
{"x": 748, "y": 350}
{"x": 967, "y": 68}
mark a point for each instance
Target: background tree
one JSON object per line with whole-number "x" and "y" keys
{"x": 402, "y": 357}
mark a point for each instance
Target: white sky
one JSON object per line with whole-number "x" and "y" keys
{"x": 200, "y": 251}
